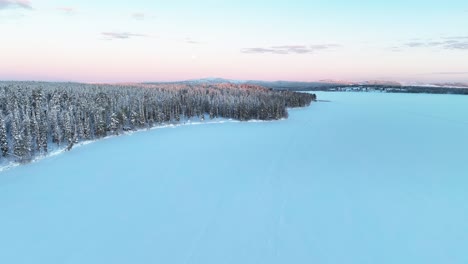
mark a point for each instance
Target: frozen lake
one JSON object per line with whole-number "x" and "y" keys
{"x": 365, "y": 178}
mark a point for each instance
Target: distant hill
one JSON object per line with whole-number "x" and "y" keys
{"x": 277, "y": 85}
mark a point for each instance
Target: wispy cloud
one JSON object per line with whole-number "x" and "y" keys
{"x": 191, "y": 41}
{"x": 121, "y": 35}
{"x": 4, "y": 4}
{"x": 450, "y": 73}
{"x": 415, "y": 44}
{"x": 456, "y": 37}
{"x": 67, "y": 9}
{"x": 395, "y": 49}
{"x": 447, "y": 43}
{"x": 289, "y": 49}
{"x": 138, "y": 15}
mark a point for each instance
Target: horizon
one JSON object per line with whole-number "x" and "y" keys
{"x": 143, "y": 41}
{"x": 220, "y": 79}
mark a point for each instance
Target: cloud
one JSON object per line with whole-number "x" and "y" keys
{"x": 447, "y": 43}
{"x": 289, "y": 49}
{"x": 4, "y": 4}
{"x": 67, "y": 10}
{"x": 138, "y": 16}
{"x": 450, "y": 73}
{"x": 142, "y": 16}
{"x": 457, "y": 37}
{"x": 121, "y": 35}
{"x": 458, "y": 46}
{"x": 191, "y": 41}
{"x": 395, "y": 49}
{"x": 415, "y": 44}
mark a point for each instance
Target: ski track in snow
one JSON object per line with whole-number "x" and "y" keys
{"x": 203, "y": 231}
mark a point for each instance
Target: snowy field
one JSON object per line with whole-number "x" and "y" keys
{"x": 365, "y": 178}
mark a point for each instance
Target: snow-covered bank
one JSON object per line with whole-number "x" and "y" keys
{"x": 34, "y": 115}
{"x": 10, "y": 164}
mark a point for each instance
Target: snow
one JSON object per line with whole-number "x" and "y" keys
{"x": 364, "y": 178}
{"x": 7, "y": 164}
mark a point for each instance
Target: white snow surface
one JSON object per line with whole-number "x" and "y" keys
{"x": 364, "y": 178}
{"x": 7, "y": 164}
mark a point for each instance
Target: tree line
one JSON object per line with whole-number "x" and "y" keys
{"x": 385, "y": 88}
{"x": 34, "y": 116}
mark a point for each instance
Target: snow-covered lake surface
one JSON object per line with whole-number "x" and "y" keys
{"x": 365, "y": 178}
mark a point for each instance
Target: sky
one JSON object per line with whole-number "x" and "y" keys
{"x": 143, "y": 40}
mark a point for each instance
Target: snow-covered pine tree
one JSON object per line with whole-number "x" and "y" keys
{"x": 54, "y": 113}
{"x": 19, "y": 135}
{"x": 3, "y": 136}
{"x": 27, "y": 133}
{"x": 68, "y": 130}
{"x": 114, "y": 124}
{"x": 87, "y": 133}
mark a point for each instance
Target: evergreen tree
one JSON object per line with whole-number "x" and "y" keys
{"x": 3, "y": 136}
{"x": 114, "y": 124}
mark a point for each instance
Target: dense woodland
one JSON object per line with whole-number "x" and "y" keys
{"x": 386, "y": 89}
{"x": 36, "y": 117}
{"x": 331, "y": 86}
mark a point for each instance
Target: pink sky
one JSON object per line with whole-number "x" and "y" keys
{"x": 141, "y": 41}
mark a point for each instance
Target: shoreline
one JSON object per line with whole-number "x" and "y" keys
{"x": 63, "y": 149}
